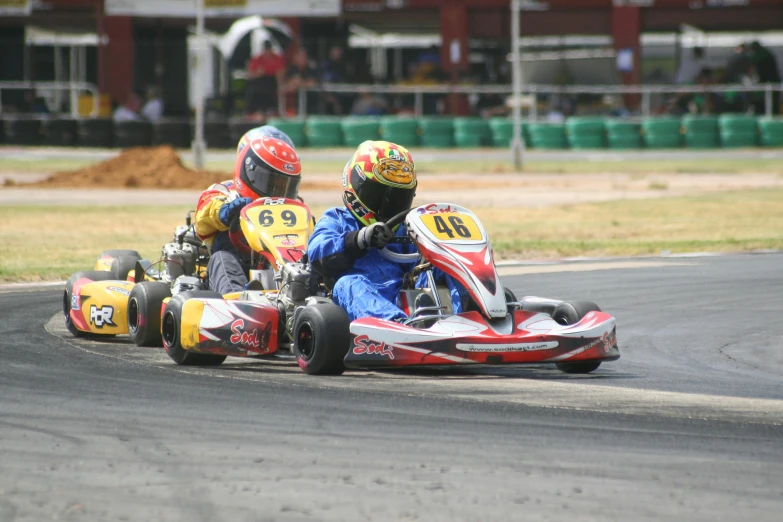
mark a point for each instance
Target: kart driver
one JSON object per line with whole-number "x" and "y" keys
{"x": 378, "y": 182}
{"x": 266, "y": 166}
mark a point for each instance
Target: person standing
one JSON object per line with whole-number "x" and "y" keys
{"x": 766, "y": 70}
{"x": 264, "y": 75}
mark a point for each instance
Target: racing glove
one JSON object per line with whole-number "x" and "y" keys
{"x": 376, "y": 235}
{"x": 231, "y": 209}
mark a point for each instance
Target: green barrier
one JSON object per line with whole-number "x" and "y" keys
{"x": 585, "y": 125}
{"x": 661, "y": 126}
{"x": 662, "y": 141}
{"x": 581, "y": 141}
{"x": 623, "y": 127}
{"x": 295, "y": 129}
{"x": 702, "y": 140}
{"x": 437, "y": 132}
{"x": 772, "y": 141}
{"x": 771, "y": 126}
{"x": 625, "y": 141}
{"x": 359, "y": 130}
{"x": 734, "y": 139}
{"x": 323, "y": 132}
{"x": 403, "y": 131}
{"x": 700, "y": 124}
{"x": 738, "y": 123}
{"x": 502, "y": 131}
{"x": 471, "y": 132}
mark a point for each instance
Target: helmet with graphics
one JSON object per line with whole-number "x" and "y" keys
{"x": 265, "y": 130}
{"x": 266, "y": 166}
{"x": 379, "y": 181}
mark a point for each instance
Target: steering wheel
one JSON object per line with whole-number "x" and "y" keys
{"x": 393, "y": 256}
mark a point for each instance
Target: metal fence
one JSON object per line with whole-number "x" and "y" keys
{"x": 645, "y": 91}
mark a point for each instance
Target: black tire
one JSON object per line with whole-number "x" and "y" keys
{"x": 132, "y": 134}
{"x": 571, "y": 313}
{"x": 176, "y": 133}
{"x": 322, "y": 339}
{"x": 59, "y": 132}
{"x": 22, "y": 131}
{"x": 121, "y": 265}
{"x": 94, "y": 275}
{"x": 95, "y": 132}
{"x": 118, "y": 253}
{"x": 144, "y": 303}
{"x": 171, "y": 322}
{"x": 510, "y": 298}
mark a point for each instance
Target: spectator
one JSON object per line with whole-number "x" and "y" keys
{"x": 301, "y": 75}
{"x": 691, "y": 67}
{"x": 334, "y": 70}
{"x": 128, "y": 111}
{"x": 264, "y": 74}
{"x": 369, "y": 104}
{"x": 707, "y": 102}
{"x": 767, "y": 71}
{"x": 153, "y": 107}
{"x": 32, "y": 103}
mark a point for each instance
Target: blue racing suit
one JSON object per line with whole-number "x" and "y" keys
{"x": 366, "y": 284}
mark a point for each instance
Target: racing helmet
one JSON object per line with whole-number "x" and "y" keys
{"x": 267, "y": 167}
{"x": 259, "y": 132}
{"x": 379, "y": 181}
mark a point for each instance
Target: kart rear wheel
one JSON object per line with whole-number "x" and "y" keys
{"x": 171, "y": 328}
{"x": 510, "y": 298}
{"x": 144, "y": 304}
{"x": 321, "y": 339}
{"x": 92, "y": 275}
{"x": 120, "y": 266}
{"x": 571, "y": 313}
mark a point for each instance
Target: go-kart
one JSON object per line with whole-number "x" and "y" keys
{"x": 495, "y": 329}
{"x": 204, "y": 327}
{"x": 120, "y": 293}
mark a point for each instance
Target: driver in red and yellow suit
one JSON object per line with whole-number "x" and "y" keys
{"x": 266, "y": 166}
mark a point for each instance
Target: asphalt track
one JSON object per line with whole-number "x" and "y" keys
{"x": 687, "y": 425}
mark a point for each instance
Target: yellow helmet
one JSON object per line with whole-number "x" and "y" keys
{"x": 379, "y": 181}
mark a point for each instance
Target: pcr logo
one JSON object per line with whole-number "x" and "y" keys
{"x": 100, "y": 316}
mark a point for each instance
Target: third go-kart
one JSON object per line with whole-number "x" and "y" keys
{"x": 495, "y": 328}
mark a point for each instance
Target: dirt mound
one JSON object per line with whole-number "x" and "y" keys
{"x": 140, "y": 167}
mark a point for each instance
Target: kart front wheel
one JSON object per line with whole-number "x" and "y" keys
{"x": 172, "y": 326}
{"x": 92, "y": 275}
{"x": 120, "y": 266}
{"x": 571, "y": 313}
{"x": 144, "y": 305}
{"x": 321, "y": 339}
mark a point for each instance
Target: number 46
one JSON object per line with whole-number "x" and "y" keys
{"x": 456, "y": 222}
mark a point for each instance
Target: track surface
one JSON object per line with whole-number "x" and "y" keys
{"x": 687, "y": 425}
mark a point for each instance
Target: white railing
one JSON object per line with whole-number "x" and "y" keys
{"x": 75, "y": 88}
{"x": 646, "y": 91}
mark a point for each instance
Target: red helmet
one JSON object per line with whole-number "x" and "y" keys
{"x": 269, "y": 167}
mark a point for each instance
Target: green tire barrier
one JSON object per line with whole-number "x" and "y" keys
{"x": 661, "y": 126}
{"x": 437, "y": 132}
{"x": 294, "y": 128}
{"x": 581, "y": 141}
{"x": 702, "y": 140}
{"x": 359, "y": 130}
{"x": 626, "y": 141}
{"x": 403, "y": 131}
{"x": 548, "y": 135}
{"x": 738, "y": 123}
{"x": 734, "y": 139}
{"x": 662, "y": 141}
{"x": 622, "y": 134}
{"x": 471, "y": 132}
{"x": 771, "y": 132}
{"x": 324, "y": 132}
{"x": 502, "y": 131}
{"x": 700, "y": 124}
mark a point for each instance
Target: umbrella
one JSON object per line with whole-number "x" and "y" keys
{"x": 246, "y": 34}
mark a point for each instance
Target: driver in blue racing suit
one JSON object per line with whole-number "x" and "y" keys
{"x": 379, "y": 182}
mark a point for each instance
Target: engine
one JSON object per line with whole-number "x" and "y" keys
{"x": 297, "y": 283}
{"x": 178, "y": 259}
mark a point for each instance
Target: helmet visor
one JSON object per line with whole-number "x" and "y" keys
{"x": 267, "y": 182}
{"x": 385, "y": 201}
